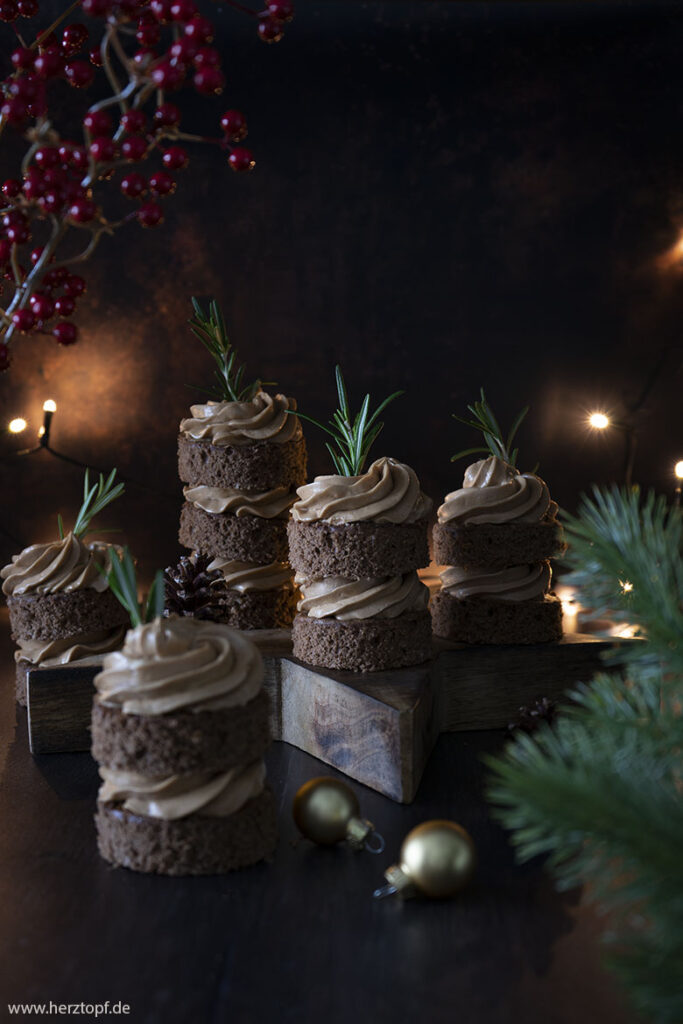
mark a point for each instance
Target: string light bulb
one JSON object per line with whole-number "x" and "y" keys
{"x": 598, "y": 420}
{"x": 678, "y": 470}
{"x": 49, "y": 405}
{"x": 17, "y": 425}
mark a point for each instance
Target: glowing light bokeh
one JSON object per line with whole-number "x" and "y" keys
{"x": 678, "y": 470}
{"x": 49, "y": 405}
{"x": 598, "y": 420}
{"x": 17, "y": 425}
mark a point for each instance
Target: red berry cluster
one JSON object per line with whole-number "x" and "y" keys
{"x": 146, "y": 48}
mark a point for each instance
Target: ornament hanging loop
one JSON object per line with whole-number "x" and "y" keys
{"x": 361, "y": 835}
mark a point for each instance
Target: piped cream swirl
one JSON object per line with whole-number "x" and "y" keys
{"x": 179, "y": 796}
{"x": 520, "y": 583}
{"x": 273, "y": 504}
{"x": 494, "y": 492}
{"x": 247, "y": 576}
{"x": 345, "y": 599}
{"x": 265, "y": 418}
{"x": 388, "y": 492}
{"x": 59, "y": 566}
{"x": 180, "y": 663}
{"x": 65, "y": 650}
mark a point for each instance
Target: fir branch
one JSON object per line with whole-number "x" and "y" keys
{"x": 352, "y": 437}
{"x": 95, "y": 499}
{"x": 210, "y": 329}
{"x": 599, "y": 793}
{"x": 484, "y": 420}
{"x": 122, "y": 579}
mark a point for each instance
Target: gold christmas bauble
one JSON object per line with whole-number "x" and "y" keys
{"x": 438, "y": 858}
{"x": 323, "y": 809}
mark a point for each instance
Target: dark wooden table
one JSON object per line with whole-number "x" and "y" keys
{"x": 300, "y": 940}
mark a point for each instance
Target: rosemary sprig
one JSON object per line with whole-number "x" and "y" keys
{"x": 123, "y": 584}
{"x": 353, "y": 437}
{"x": 211, "y": 330}
{"x": 95, "y": 499}
{"x": 485, "y": 421}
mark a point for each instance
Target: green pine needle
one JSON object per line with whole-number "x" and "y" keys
{"x": 352, "y": 437}
{"x": 485, "y": 421}
{"x": 122, "y": 579}
{"x": 95, "y": 499}
{"x": 210, "y": 328}
{"x": 598, "y": 792}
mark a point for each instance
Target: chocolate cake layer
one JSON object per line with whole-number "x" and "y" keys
{"x": 180, "y": 742}
{"x": 483, "y": 620}
{"x": 189, "y": 846}
{"x": 52, "y": 616}
{"x": 365, "y": 645}
{"x": 256, "y": 609}
{"x": 497, "y": 545}
{"x": 242, "y": 538}
{"x": 357, "y": 550}
{"x": 261, "y": 466}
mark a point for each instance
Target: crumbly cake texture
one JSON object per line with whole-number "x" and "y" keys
{"x": 21, "y": 681}
{"x": 53, "y": 616}
{"x": 484, "y": 620}
{"x": 495, "y": 546}
{"x": 242, "y": 538}
{"x": 261, "y": 466}
{"x": 255, "y": 609}
{"x": 181, "y": 742}
{"x": 366, "y": 645}
{"x": 195, "y": 845}
{"x": 357, "y": 550}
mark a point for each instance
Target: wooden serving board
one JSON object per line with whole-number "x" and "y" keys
{"x": 378, "y": 728}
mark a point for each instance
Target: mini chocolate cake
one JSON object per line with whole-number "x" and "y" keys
{"x": 241, "y": 461}
{"x": 180, "y": 726}
{"x": 355, "y": 543}
{"x": 60, "y": 606}
{"x": 511, "y": 606}
{"x": 495, "y": 536}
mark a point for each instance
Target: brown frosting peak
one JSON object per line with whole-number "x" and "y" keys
{"x": 72, "y": 648}
{"x": 388, "y": 492}
{"x": 58, "y": 566}
{"x": 520, "y": 583}
{"x": 362, "y": 599}
{"x": 265, "y": 418}
{"x": 494, "y": 492}
{"x": 176, "y": 664}
{"x": 178, "y": 796}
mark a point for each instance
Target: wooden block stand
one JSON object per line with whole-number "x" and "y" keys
{"x": 378, "y": 728}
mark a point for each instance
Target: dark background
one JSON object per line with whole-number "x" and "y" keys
{"x": 447, "y": 195}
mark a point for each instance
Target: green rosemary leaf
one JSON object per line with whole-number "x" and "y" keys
{"x": 484, "y": 420}
{"x": 353, "y": 436}
{"x": 60, "y": 526}
{"x": 123, "y": 584}
{"x": 209, "y": 327}
{"x": 95, "y": 499}
{"x": 154, "y": 605}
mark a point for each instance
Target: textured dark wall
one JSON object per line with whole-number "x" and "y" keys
{"x": 446, "y": 195}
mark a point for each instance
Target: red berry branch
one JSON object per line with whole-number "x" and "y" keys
{"x": 59, "y": 206}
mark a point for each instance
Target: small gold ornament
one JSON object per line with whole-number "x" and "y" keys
{"x": 437, "y": 860}
{"x": 327, "y": 811}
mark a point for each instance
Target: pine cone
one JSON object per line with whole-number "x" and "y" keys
{"x": 189, "y": 587}
{"x": 532, "y": 715}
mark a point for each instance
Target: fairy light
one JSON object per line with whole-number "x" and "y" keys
{"x": 49, "y": 409}
{"x": 49, "y": 405}
{"x": 678, "y": 470}
{"x": 598, "y": 420}
{"x": 16, "y": 426}
{"x": 626, "y": 586}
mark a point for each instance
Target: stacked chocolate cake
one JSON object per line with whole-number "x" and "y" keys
{"x": 355, "y": 543}
{"x": 496, "y": 535}
{"x": 241, "y": 462}
{"x": 179, "y": 729}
